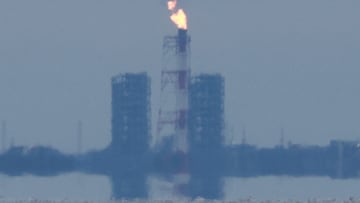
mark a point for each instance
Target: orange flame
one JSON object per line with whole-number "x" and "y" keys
{"x": 172, "y": 5}
{"x": 180, "y": 19}
{"x": 178, "y": 16}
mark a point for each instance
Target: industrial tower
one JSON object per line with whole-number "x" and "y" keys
{"x": 206, "y": 112}
{"x": 175, "y": 80}
{"x": 130, "y": 134}
{"x": 206, "y": 127}
{"x": 173, "y": 112}
{"x": 130, "y": 113}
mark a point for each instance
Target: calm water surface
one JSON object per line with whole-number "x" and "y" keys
{"x": 73, "y": 186}
{"x": 283, "y": 188}
{"x": 76, "y": 186}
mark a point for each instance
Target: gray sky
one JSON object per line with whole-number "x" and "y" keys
{"x": 288, "y": 64}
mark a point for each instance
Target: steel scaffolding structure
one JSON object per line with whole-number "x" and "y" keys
{"x": 206, "y": 111}
{"x": 206, "y": 126}
{"x": 131, "y": 112}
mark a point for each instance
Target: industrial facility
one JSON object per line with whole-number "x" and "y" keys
{"x": 189, "y": 151}
{"x": 130, "y": 130}
{"x": 175, "y": 79}
{"x": 206, "y": 128}
{"x": 191, "y": 115}
{"x": 206, "y": 112}
{"x": 190, "y": 132}
{"x": 130, "y": 113}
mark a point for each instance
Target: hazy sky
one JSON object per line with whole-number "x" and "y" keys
{"x": 288, "y": 64}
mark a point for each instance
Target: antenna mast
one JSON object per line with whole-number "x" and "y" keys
{"x": 3, "y": 135}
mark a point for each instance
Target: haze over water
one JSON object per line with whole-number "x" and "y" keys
{"x": 84, "y": 187}
{"x": 287, "y": 64}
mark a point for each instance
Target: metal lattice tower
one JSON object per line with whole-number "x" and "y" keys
{"x": 130, "y": 124}
{"x": 206, "y": 117}
{"x": 206, "y": 128}
{"x": 175, "y": 80}
{"x": 131, "y": 113}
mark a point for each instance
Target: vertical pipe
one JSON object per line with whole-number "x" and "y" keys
{"x": 282, "y": 138}
{"x": 243, "y": 140}
{"x": 182, "y": 86}
{"x": 182, "y": 40}
{"x": 3, "y": 135}
{"x": 79, "y": 136}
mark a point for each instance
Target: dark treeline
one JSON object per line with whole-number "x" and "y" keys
{"x": 42, "y": 161}
{"x": 206, "y": 166}
{"x": 337, "y": 160}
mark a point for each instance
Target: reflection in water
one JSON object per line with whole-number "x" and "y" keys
{"x": 76, "y": 186}
{"x": 128, "y": 168}
{"x": 128, "y": 174}
{"x": 209, "y": 187}
{"x": 127, "y": 171}
{"x": 136, "y": 183}
{"x": 129, "y": 185}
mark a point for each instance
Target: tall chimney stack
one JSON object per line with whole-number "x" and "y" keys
{"x": 182, "y": 40}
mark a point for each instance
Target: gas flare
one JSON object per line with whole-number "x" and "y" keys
{"x": 178, "y": 16}
{"x": 180, "y": 19}
{"x": 172, "y": 5}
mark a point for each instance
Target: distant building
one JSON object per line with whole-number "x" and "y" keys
{"x": 206, "y": 126}
{"x": 206, "y": 111}
{"x": 131, "y": 113}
